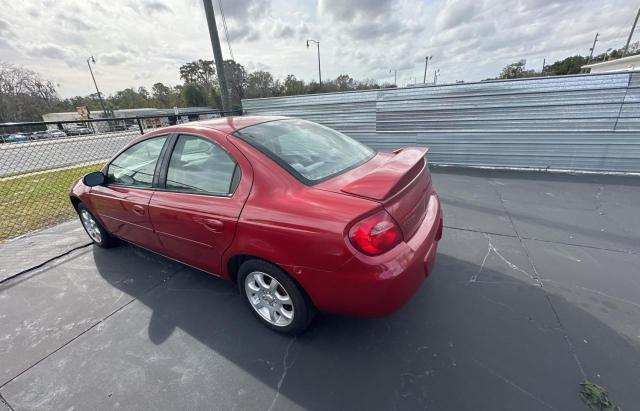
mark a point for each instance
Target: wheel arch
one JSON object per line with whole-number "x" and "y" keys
{"x": 235, "y": 261}
{"x": 75, "y": 201}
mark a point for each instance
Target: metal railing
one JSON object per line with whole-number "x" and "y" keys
{"x": 40, "y": 160}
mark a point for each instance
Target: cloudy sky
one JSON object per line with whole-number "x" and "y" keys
{"x": 140, "y": 42}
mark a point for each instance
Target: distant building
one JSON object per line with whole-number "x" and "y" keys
{"x": 630, "y": 63}
{"x": 153, "y": 117}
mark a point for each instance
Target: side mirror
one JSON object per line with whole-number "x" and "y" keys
{"x": 94, "y": 179}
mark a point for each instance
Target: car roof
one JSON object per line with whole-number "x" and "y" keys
{"x": 233, "y": 123}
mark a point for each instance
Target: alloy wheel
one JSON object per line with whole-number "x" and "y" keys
{"x": 269, "y": 298}
{"x": 91, "y": 226}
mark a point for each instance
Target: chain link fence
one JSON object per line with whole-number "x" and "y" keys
{"x": 39, "y": 161}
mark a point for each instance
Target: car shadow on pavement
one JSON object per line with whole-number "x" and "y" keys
{"x": 497, "y": 342}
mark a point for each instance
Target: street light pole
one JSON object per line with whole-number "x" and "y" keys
{"x": 435, "y": 76}
{"x": 395, "y": 77}
{"x": 319, "y": 72}
{"x": 626, "y": 46}
{"x": 595, "y": 40}
{"x": 89, "y": 61}
{"x": 426, "y": 64}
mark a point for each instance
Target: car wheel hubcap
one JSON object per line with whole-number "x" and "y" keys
{"x": 269, "y": 298}
{"x": 91, "y": 226}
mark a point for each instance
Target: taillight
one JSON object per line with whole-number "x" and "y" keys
{"x": 375, "y": 234}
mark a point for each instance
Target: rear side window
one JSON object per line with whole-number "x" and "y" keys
{"x": 309, "y": 151}
{"x": 200, "y": 166}
{"x": 136, "y": 165}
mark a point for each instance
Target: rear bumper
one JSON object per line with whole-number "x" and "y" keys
{"x": 377, "y": 286}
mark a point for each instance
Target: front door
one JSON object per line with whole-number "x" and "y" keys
{"x": 197, "y": 205}
{"x": 123, "y": 203}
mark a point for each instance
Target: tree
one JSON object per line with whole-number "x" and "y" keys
{"x": 129, "y": 98}
{"x": 569, "y": 65}
{"x": 292, "y": 86}
{"x": 24, "y": 95}
{"x": 236, "y": 76}
{"x": 368, "y": 84}
{"x": 142, "y": 91}
{"x": 516, "y": 70}
{"x": 161, "y": 94}
{"x": 194, "y": 95}
{"x": 344, "y": 82}
{"x": 260, "y": 84}
{"x": 200, "y": 72}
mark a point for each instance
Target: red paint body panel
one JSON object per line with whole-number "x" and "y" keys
{"x": 303, "y": 229}
{"x": 377, "y": 286}
{"x": 124, "y": 212}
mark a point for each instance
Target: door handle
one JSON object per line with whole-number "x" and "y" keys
{"x": 138, "y": 209}
{"x": 213, "y": 225}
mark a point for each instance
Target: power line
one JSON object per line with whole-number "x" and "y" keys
{"x": 226, "y": 31}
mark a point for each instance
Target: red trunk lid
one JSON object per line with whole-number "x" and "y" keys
{"x": 400, "y": 181}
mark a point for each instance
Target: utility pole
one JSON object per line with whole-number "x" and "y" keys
{"x": 217, "y": 55}
{"x": 626, "y": 46}
{"x": 426, "y": 64}
{"x": 319, "y": 72}
{"x": 104, "y": 109}
{"x": 395, "y": 77}
{"x": 593, "y": 48}
{"x": 544, "y": 63}
{"x": 435, "y": 76}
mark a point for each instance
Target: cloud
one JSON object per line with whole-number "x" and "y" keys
{"x": 143, "y": 75}
{"x": 242, "y": 9}
{"x": 376, "y": 29}
{"x": 113, "y": 59}
{"x": 245, "y": 33}
{"x": 456, "y": 13}
{"x": 5, "y": 29}
{"x": 33, "y": 12}
{"x": 5, "y": 45}
{"x": 283, "y": 30}
{"x": 150, "y": 39}
{"x": 73, "y": 22}
{"x": 49, "y": 51}
{"x": 368, "y": 20}
{"x": 347, "y": 11}
{"x": 149, "y": 7}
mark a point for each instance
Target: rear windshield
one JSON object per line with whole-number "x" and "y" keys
{"x": 309, "y": 151}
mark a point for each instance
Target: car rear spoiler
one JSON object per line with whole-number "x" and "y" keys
{"x": 384, "y": 180}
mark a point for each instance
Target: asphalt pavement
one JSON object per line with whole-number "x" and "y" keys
{"x": 536, "y": 288}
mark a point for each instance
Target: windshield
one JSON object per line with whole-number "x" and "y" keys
{"x": 307, "y": 150}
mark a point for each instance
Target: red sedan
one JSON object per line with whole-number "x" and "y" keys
{"x": 300, "y": 216}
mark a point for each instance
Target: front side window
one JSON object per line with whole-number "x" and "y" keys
{"x": 200, "y": 166}
{"x": 309, "y": 151}
{"x": 136, "y": 165}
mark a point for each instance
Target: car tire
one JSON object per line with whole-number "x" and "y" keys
{"x": 282, "y": 306}
{"x": 94, "y": 228}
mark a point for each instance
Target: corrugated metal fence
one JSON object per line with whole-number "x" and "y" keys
{"x": 582, "y": 122}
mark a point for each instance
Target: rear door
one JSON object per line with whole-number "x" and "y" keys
{"x": 203, "y": 187}
{"x": 123, "y": 203}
